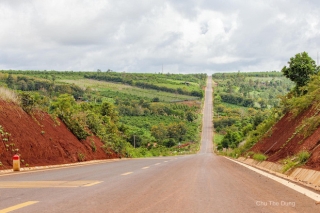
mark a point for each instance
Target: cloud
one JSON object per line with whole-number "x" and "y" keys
{"x": 141, "y": 36}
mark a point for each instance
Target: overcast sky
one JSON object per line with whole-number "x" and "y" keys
{"x": 185, "y": 36}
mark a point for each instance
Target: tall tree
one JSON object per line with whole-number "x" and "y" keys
{"x": 300, "y": 68}
{"x": 10, "y": 81}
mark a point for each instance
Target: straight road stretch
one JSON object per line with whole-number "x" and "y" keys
{"x": 202, "y": 182}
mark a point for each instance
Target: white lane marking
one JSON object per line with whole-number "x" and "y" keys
{"x": 128, "y": 173}
{"x": 157, "y": 164}
{"x": 287, "y": 183}
{"x": 147, "y": 167}
{"x": 165, "y": 161}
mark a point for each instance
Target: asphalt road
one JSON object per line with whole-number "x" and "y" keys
{"x": 195, "y": 183}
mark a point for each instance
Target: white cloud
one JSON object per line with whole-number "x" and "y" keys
{"x": 141, "y": 36}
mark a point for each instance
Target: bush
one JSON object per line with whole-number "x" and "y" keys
{"x": 260, "y": 157}
{"x": 250, "y": 154}
{"x": 75, "y": 127}
{"x": 235, "y": 153}
{"x": 303, "y": 156}
{"x": 309, "y": 125}
{"x": 33, "y": 100}
{"x": 81, "y": 157}
{"x": 289, "y": 164}
{"x": 295, "y": 161}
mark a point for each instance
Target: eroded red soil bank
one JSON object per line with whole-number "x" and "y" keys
{"x": 40, "y": 140}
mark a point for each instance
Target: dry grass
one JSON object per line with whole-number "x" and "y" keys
{"x": 8, "y": 95}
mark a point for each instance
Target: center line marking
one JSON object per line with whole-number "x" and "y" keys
{"x": 157, "y": 164}
{"x": 94, "y": 183}
{"x": 147, "y": 167}
{"x": 19, "y": 206}
{"x": 46, "y": 184}
{"x": 166, "y": 161}
{"x": 128, "y": 173}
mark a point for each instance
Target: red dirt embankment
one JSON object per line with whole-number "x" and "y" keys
{"x": 285, "y": 142}
{"x": 40, "y": 140}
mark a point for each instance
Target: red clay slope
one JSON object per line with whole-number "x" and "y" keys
{"x": 42, "y": 141}
{"x": 283, "y": 142}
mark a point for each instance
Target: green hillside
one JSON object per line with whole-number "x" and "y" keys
{"x": 134, "y": 114}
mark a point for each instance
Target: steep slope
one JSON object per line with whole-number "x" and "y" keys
{"x": 286, "y": 139}
{"x": 40, "y": 140}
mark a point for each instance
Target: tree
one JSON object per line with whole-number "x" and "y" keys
{"x": 300, "y": 68}
{"x": 108, "y": 109}
{"x": 159, "y": 132}
{"x": 63, "y": 105}
{"x": 10, "y": 81}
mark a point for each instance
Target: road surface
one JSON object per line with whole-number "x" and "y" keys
{"x": 195, "y": 183}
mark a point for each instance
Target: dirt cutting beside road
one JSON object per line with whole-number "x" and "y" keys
{"x": 41, "y": 140}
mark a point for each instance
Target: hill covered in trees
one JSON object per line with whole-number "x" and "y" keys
{"x": 129, "y": 119}
{"x": 288, "y": 132}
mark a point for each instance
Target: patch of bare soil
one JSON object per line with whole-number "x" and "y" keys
{"x": 283, "y": 142}
{"x": 41, "y": 140}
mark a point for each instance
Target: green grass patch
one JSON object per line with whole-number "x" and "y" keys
{"x": 288, "y": 164}
{"x": 303, "y": 156}
{"x": 295, "y": 161}
{"x": 259, "y": 157}
{"x": 217, "y": 138}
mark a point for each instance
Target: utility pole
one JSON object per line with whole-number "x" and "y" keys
{"x": 317, "y": 58}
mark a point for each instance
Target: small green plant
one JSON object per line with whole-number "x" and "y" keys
{"x": 93, "y": 145}
{"x": 259, "y": 157}
{"x": 303, "y": 156}
{"x": 249, "y": 154}
{"x": 288, "y": 164}
{"x": 81, "y": 157}
{"x": 27, "y": 165}
{"x": 1, "y": 163}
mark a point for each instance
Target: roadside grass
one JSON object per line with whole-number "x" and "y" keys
{"x": 260, "y": 157}
{"x": 295, "y": 161}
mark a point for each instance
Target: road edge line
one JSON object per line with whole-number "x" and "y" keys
{"x": 287, "y": 183}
